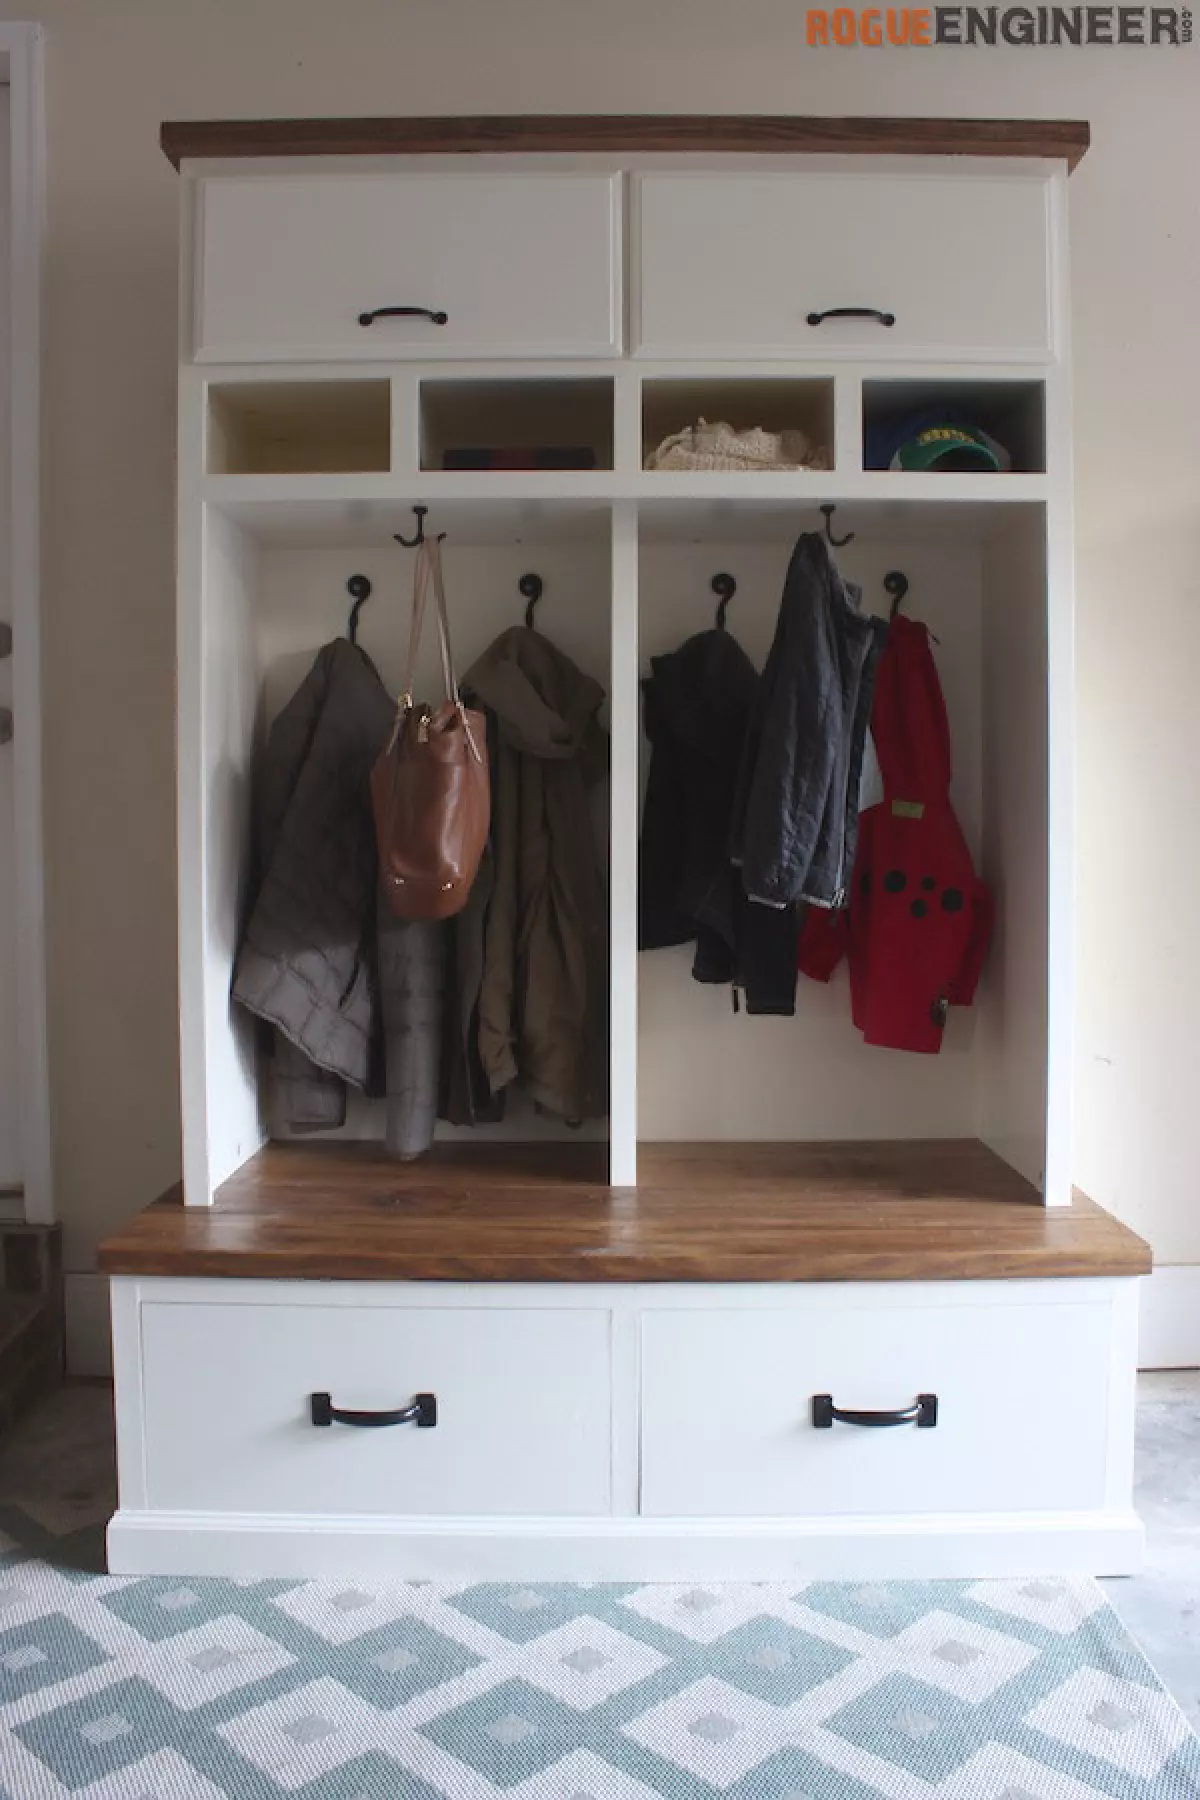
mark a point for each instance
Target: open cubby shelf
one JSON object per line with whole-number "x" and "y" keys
{"x": 1011, "y": 412}
{"x": 543, "y": 427}
{"x": 299, "y": 427}
{"x": 469, "y": 425}
{"x": 775, "y": 404}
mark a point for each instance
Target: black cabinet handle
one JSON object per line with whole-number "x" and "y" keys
{"x": 422, "y": 1413}
{"x": 923, "y": 1414}
{"x": 403, "y": 312}
{"x": 852, "y": 312}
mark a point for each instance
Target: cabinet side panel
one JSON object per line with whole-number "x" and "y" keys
{"x": 623, "y": 1013}
{"x": 1060, "y": 575}
{"x": 129, "y": 1415}
{"x": 219, "y": 762}
{"x": 1012, "y": 999}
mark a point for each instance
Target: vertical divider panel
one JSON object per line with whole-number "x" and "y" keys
{"x": 406, "y": 423}
{"x": 625, "y": 1330}
{"x": 627, "y": 423}
{"x": 847, "y": 424}
{"x": 623, "y": 708}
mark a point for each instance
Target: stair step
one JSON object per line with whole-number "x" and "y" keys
{"x": 17, "y": 1314}
{"x": 31, "y": 1352}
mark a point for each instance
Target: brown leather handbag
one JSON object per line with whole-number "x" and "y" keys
{"x": 429, "y": 788}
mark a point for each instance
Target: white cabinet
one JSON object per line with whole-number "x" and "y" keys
{"x": 522, "y": 1408}
{"x": 634, "y": 1431}
{"x": 523, "y": 265}
{"x": 631, "y": 1402}
{"x": 739, "y": 264}
{"x": 1021, "y": 1390}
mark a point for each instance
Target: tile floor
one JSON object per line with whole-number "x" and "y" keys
{"x": 58, "y": 1467}
{"x": 1161, "y": 1606}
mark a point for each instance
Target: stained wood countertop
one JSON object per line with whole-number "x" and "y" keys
{"x": 937, "y": 1210}
{"x": 626, "y": 133}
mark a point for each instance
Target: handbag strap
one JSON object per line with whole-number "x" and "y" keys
{"x": 427, "y": 572}
{"x": 429, "y": 566}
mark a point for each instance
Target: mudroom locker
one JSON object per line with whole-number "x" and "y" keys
{"x": 658, "y": 1343}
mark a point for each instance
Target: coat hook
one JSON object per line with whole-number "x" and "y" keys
{"x": 837, "y": 543}
{"x": 725, "y": 587}
{"x": 896, "y": 584}
{"x": 531, "y": 586}
{"x": 359, "y": 589}
{"x": 414, "y": 543}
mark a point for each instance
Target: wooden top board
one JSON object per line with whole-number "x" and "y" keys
{"x": 941, "y": 1210}
{"x": 621, "y": 133}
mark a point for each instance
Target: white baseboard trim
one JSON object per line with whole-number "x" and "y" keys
{"x": 88, "y": 1328}
{"x": 1169, "y": 1334}
{"x": 963, "y": 1546}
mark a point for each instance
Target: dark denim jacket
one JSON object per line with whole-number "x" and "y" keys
{"x": 795, "y": 818}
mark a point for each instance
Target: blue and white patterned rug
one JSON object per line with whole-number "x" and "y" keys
{"x": 125, "y": 1689}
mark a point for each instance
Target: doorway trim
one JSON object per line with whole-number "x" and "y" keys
{"x": 21, "y": 69}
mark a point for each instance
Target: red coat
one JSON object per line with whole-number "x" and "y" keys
{"x": 918, "y": 919}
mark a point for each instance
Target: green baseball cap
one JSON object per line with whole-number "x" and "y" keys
{"x": 952, "y": 448}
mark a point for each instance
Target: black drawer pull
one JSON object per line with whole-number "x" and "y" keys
{"x": 852, "y": 312}
{"x": 923, "y": 1414}
{"x": 403, "y": 312}
{"x": 422, "y": 1413}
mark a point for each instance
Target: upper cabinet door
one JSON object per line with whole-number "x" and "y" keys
{"x": 519, "y": 265}
{"x": 735, "y": 265}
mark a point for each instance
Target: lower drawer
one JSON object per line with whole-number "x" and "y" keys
{"x": 1022, "y": 1390}
{"x": 523, "y": 1409}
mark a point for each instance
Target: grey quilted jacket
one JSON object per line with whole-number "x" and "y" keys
{"x": 343, "y": 990}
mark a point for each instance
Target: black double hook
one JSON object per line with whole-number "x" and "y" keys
{"x": 415, "y": 543}
{"x": 531, "y": 586}
{"x": 829, "y": 509}
{"x": 725, "y": 587}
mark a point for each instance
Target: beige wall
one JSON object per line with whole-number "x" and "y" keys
{"x": 116, "y": 67}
